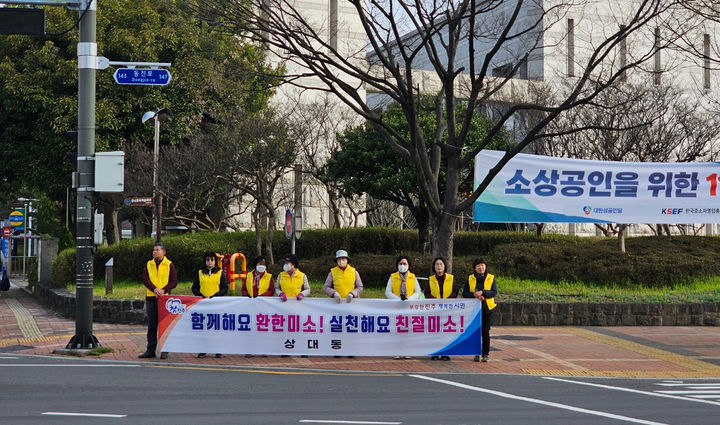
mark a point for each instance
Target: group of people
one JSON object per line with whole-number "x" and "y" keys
{"x": 342, "y": 282}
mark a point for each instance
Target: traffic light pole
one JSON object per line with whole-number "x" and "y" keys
{"x": 87, "y": 66}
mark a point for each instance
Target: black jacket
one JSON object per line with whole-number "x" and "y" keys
{"x": 486, "y": 293}
{"x": 223, "y": 284}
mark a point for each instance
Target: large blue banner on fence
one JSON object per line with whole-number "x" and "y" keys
{"x": 543, "y": 189}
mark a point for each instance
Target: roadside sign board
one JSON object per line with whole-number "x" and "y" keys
{"x": 289, "y": 223}
{"x": 17, "y": 219}
{"x": 139, "y": 201}
{"x": 6, "y": 232}
{"x": 142, "y": 77}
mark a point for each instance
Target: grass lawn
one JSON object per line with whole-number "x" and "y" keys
{"x": 510, "y": 290}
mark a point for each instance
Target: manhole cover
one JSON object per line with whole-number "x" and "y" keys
{"x": 516, "y": 337}
{"x": 11, "y": 348}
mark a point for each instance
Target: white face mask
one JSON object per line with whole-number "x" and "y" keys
{"x": 342, "y": 262}
{"x": 287, "y": 267}
{"x": 260, "y": 269}
{"x": 402, "y": 268}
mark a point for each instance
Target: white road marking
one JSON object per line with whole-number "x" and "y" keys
{"x": 630, "y": 390}
{"x": 715, "y": 396}
{"x": 542, "y": 402}
{"x": 690, "y": 392}
{"x": 328, "y": 421}
{"x": 93, "y": 415}
{"x": 67, "y": 365}
{"x": 685, "y": 384}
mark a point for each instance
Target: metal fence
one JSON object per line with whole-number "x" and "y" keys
{"x": 22, "y": 254}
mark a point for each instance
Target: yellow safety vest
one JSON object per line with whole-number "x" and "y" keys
{"x": 409, "y": 283}
{"x": 487, "y": 285}
{"x": 263, "y": 285}
{"x": 291, "y": 286}
{"x": 209, "y": 283}
{"x": 435, "y": 286}
{"x": 343, "y": 280}
{"x": 159, "y": 275}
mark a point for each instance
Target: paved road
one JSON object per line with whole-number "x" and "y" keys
{"x": 632, "y": 351}
{"x": 52, "y": 390}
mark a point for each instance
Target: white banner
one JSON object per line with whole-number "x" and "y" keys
{"x": 319, "y": 326}
{"x": 543, "y": 189}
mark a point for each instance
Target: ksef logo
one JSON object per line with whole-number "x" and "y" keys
{"x": 175, "y": 306}
{"x": 671, "y": 211}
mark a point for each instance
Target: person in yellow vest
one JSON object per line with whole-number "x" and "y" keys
{"x": 291, "y": 282}
{"x": 482, "y": 286}
{"x": 259, "y": 283}
{"x": 440, "y": 285}
{"x": 402, "y": 284}
{"x": 209, "y": 282}
{"x": 343, "y": 281}
{"x": 159, "y": 277}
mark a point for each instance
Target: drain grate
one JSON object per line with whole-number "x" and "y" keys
{"x": 11, "y": 348}
{"x": 516, "y": 337}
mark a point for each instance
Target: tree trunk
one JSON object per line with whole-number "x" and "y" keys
{"x": 269, "y": 237}
{"x": 621, "y": 237}
{"x": 334, "y": 213}
{"x": 258, "y": 222}
{"x": 442, "y": 238}
{"x": 112, "y": 229}
{"x": 423, "y": 222}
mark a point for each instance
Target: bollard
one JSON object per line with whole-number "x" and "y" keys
{"x": 109, "y": 277}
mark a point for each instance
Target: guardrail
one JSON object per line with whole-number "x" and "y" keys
{"x": 17, "y": 264}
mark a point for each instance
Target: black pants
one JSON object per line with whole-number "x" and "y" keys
{"x": 152, "y": 317}
{"x": 487, "y": 319}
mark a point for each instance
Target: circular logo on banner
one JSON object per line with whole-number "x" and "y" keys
{"x": 16, "y": 218}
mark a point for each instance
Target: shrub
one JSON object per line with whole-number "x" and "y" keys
{"x": 649, "y": 261}
{"x": 658, "y": 261}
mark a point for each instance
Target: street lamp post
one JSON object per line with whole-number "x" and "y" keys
{"x": 162, "y": 114}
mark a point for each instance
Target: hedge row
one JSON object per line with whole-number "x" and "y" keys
{"x": 657, "y": 261}
{"x": 649, "y": 261}
{"x": 186, "y": 250}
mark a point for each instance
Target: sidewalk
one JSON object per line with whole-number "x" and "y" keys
{"x": 667, "y": 352}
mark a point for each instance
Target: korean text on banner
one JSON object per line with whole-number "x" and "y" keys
{"x": 543, "y": 189}
{"x": 365, "y": 327}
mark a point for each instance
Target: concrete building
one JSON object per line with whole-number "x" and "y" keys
{"x": 321, "y": 115}
{"x": 557, "y": 39}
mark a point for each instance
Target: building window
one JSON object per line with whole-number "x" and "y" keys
{"x": 706, "y": 61}
{"x": 504, "y": 71}
{"x": 658, "y": 62}
{"x": 623, "y": 53}
{"x": 570, "y": 47}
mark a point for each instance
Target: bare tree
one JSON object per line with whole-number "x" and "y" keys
{"x": 402, "y": 36}
{"x": 639, "y": 122}
{"x": 315, "y": 124}
{"x": 188, "y": 175}
{"x": 261, "y": 151}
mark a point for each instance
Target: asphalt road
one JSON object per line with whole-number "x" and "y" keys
{"x": 44, "y": 390}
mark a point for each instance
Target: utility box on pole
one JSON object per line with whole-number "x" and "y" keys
{"x": 109, "y": 171}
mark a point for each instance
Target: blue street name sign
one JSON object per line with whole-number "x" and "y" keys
{"x": 142, "y": 77}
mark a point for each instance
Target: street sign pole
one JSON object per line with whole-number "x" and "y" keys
{"x": 87, "y": 65}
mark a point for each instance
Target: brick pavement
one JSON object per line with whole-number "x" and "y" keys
{"x": 676, "y": 352}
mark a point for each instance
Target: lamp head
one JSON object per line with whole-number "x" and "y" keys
{"x": 147, "y": 115}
